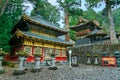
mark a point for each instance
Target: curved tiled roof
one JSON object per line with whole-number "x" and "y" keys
{"x": 57, "y": 40}
{"x": 81, "y": 26}
{"x": 38, "y": 20}
{"x": 41, "y": 20}
{"x": 97, "y": 33}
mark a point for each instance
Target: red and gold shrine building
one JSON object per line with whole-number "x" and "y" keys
{"x": 36, "y": 35}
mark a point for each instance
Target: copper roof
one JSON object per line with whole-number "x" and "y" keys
{"x": 31, "y": 35}
{"x": 97, "y": 33}
{"x": 41, "y": 22}
{"x": 87, "y": 24}
{"x": 55, "y": 39}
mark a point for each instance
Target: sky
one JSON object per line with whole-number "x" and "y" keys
{"x": 29, "y": 8}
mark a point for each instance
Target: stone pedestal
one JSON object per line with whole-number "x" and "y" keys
{"x": 117, "y": 55}
{"x": 88, "y": 60}
{"x": 74, "y": 61}
{"x": 1, "y": 68}
{"x": 96, "y": 61}
{"x": 25, "y": 63}
{"x": 53, "y": 66}
{"x": 53, "y": 62}
{"x": 20, "y": 69}
{"x": 37, "y": 65}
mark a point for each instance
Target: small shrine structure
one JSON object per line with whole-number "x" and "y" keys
{"x": 37, "y": 35}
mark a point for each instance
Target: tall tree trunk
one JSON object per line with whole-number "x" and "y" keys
{"x": 111, "y": 23}
{"x": 67, "y": 36}
{"x": 4, "y": 7}
{"x": 0, "y": 2}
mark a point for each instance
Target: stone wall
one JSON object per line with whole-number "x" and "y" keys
{"x": 94, "y": 50}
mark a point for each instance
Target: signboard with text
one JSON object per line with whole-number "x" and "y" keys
{"x": 109, "y": 61}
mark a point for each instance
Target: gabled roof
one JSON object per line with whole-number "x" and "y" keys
{"x": 86, "y": 24}
{"x": 97, "y": 33}
{"x": 28, "y": 34}
{"x": 40, "y": 22}
{"x": 45, "y": 38}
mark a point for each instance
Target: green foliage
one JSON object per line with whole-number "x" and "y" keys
{"x": 74, "y": 15}
{"x": 46, "y": 10}
{"x": 5, "y": 63}
{"x": 96, "y": 54}
{"x": 109, "y": 4}
{"x": 104, "y": 21}
{"x": 37, "y": 55}
{"x": 116, "y": 18}
{"x": 6, "y": 26}
{"x": 72, "y": 35}
{"x": 71, "y": 7}
{"x": 71, "y": 12}
{"x": 88, "y": 54}
{"x": 7, "y": 20}
{"x": 67, "y": 4}
{"x": 2, "y": 53}
{"x": 9, "y": 63}
{"x": 98, "y": 3}
{"x": 22, "y": 53}
{"x": 90, "y": 14}
{"x": 102, "y": 18}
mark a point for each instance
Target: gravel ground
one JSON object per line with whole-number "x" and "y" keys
{"x": 83, "y": 72}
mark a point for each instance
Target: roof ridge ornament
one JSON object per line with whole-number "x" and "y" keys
{"x": 82, "y": 20}
{"x": 18, "y": 33}
{"x": 25, "y": 16}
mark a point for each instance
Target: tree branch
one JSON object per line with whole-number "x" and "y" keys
{"x": 4, "y": 7}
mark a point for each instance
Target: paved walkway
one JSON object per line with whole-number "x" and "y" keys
{"x": 83, "y": 72}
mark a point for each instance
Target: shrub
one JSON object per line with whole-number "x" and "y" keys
{"x": 96, "y": 55}
{"x": 88, "y": 54}
{"x": 37, "y": 55}
{"x": 9, "y": 64}
{"x": 22, "y": 53}
{"x": 5, "y": 63}
{"x": 2, "y": 53}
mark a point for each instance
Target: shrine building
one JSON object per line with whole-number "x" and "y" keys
{"x": 37, "y": 35}
{"x": 88, "y": 31}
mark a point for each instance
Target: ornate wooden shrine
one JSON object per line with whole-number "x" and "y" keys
{"x": 87, "y": 31}
{"x": 36, "y": 35}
